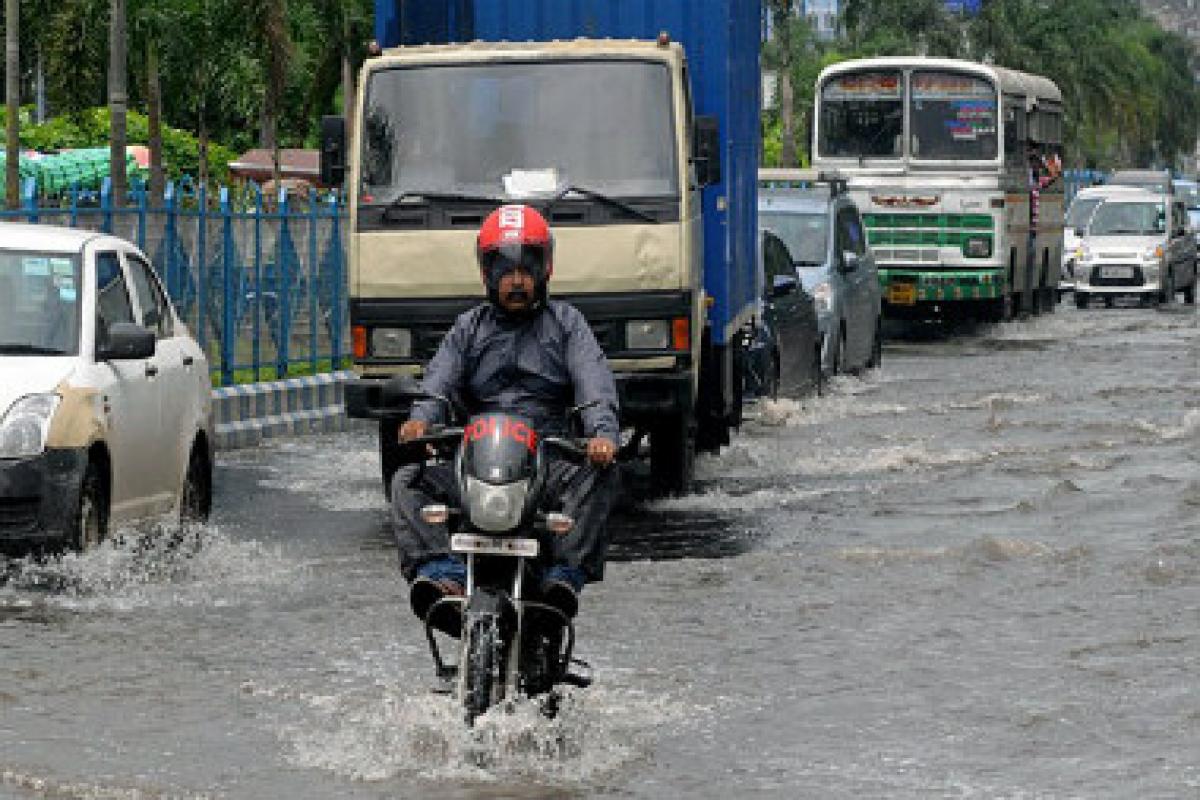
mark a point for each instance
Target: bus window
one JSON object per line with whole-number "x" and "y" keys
{"x": 862, "y": 115}
{"x": 953, "y": 117}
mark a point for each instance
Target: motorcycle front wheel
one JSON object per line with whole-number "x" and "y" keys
{"x": 481, "y": 662}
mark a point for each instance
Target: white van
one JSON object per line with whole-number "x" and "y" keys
{"x": 105, "y": 398}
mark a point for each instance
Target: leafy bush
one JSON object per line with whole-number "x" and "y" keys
{"x": 181, "y": 150}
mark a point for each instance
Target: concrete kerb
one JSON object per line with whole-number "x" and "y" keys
{"x": 245, "y": 415}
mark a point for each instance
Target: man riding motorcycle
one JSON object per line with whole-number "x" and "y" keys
{"x": 521, "y": 353}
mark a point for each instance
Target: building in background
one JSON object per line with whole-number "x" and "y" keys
{"x": 964, "y": 6}
{"x": 823, "y": 14}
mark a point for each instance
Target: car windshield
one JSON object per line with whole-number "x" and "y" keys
{"x": 953, "y": 117}
{"x": 520, "y": 128}
{"x": 806, "y": 235}
{"x": 1081, "y": 210}
{"x": 39, "y": 303}
{"x": 1129, "y": 219}
{"x": 862, "y": 115}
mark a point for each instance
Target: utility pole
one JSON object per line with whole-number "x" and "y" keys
{"x": 118, "y": 99}
{"x": 12, "y": 96}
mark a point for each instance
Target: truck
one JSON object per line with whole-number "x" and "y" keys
{"x": 632, "y": 125}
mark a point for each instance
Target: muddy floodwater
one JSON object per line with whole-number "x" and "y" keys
{"x": 974, "y": 573}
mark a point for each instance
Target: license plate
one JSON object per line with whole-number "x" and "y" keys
{"x": 1116, "y": 272}
{"x": 902, "y": 294}
{"x": 493, "y": 545}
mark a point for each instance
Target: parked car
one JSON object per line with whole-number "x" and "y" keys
{"x": 821, "y": 226}
{"x": 105, "y": 398}
{"x": 1137, "y": 243}
{"x": 783, "y": 349}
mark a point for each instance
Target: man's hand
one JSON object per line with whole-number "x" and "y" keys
{"x": 601, "y": 451}
{"x": 413, "y": 429}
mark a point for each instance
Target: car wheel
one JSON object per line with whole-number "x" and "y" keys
{"x": 1189, "y": 294}
{"x": 876, "y": 347}
{"x": 1109, "y": 301}
{"x": 839, "y": 354}
{"x": 195, "y": 498}
{"x": 89, "y": 525}
{"x": 1081, "y": 299}
{"x": 1167, "y": 296}
{"x": 818, "y": 376}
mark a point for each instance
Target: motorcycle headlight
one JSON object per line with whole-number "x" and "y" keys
{"x": 823, "y": 297}
{"x": 496, "y": 508}
{"x": 24, "y": 426}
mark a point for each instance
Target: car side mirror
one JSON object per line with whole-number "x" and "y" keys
{"x": 707, "y": 146}
{"x": 333, "y": 150}
{"x": 783, "y": 285}
{"x": 849, "y": 261}
{"x": 126, "y": 341}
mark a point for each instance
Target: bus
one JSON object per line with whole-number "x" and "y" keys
{"x": 956, "y": 170}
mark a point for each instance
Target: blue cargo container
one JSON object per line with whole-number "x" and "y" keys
{"x": 721, "y": 38}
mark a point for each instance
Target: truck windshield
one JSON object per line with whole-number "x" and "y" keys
{"x": 862, "y": 115}
{"x": 39, "y": 303}
{"x": 953, "y": 117}
{"x": 1128, "y": 219}
{"x": 806, "y": 235}
{"x": 520, "y": 128}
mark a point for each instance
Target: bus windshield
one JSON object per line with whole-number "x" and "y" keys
{"x": 953, "y": 117}
{"x": 484, "y": 129}
{"x": 862, "y": 115}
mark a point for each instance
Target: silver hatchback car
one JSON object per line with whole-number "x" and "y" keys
{"x": 822, "y": 229}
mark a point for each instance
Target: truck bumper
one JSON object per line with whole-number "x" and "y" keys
{"x": 644, "y": 397}
{"x": 907, "y": 287}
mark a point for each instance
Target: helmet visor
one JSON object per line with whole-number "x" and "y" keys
{"x": 502, "y": 260}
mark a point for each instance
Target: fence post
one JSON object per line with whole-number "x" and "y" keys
{"x": 283, "y": 288}
{"x": 258, "y": 279}
{"x": 143, "y": 190}
{"x": 335, "y": 242}
{"x": 173, "y": 287}
{"x": 74, "y": 215}
{"x": 228, "y": 323}
{"x": 31, "y": 199}
{"x": 202, "y": 267}
{"x": 106, "y": 205}
{"x": 313, "y": 268}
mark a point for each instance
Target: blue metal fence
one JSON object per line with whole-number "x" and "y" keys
{"x": 260, "y": 281}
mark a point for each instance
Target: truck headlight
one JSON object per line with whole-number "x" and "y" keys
{"x": 391, "y": 342}
{"x": 648, "y": 334}
{"x": 823, "y": 297}
{"x": 977, "y": 247}
{"x": 24, "y": 427}
{"x": 1152, "y": 253}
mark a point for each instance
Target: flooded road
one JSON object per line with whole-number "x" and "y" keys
{"x": 974, "y": 573}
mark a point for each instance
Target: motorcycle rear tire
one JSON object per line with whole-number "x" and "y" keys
{"x": 483, "y": 648}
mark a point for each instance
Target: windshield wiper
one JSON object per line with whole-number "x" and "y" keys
{"x": 591, "y": 194}
{"x": 400, "y": 200}
{"x": 25, "y": 348}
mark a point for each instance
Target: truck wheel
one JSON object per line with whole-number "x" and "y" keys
{"x": 672, "y": 456}
{"x": 1189, "y": 294}
{"x": 876, "y": 346}
{"x": 1081, "y": 299}
{"x": 389, "y": 453}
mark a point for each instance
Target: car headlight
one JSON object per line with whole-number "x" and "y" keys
{"x": 823, "y": 297}
{"x": 24, "y": 427}
{"x": 1153, "y": 253}
{"x": 1083, "y": 255}
{"x": 391, "y": 342}
{"x": 648, "y": 334}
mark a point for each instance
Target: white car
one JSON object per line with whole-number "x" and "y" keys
{"x": 105, "y": 398}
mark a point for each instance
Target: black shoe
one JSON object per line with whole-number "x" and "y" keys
{"x": 447, "y": 617}
{"x": 561, "y": 595}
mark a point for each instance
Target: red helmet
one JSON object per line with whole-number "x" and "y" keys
{"x": 515, "y": 236}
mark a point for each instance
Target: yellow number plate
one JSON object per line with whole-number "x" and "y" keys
{"x": 902, "y": 294}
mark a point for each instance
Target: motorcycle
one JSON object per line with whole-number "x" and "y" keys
{"x": 511, "y": 645}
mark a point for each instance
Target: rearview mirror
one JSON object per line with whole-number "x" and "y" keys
{"x": 126, "y": 341}
{"x": 333, "y": 150}
{"x": 706, "y": 142}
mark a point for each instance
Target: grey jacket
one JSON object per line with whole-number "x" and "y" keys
{"x": 537, "y": 367}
